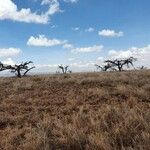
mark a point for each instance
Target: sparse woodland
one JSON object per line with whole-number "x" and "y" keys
{"x": 78, "y": 111}
{"x": 22, "y": 69}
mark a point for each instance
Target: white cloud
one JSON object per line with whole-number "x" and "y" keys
{"x": 54, "y": 7}
{"x": 142, "y": 54}
{"x": 75, "y": 66}
{"x": 68, "y": 46}
{"x": 95, "y": 48}
{"x": 110, "y": 33}
{"x": 71, "y": 59}
{"x": 90, "y": 29}
{"x": 45, "y": 68}
{"x": 82, "y": 64}
{"x": 46, "y": 65}
{"x": 121, "y": 54}
{"x": 8, "y": 61}
{"x": 100, "y": 59}
{"x": 9, "y": 52}
{"x": 42, "y": 41}
{"x": 71, "y": 1}
{"x": 9, "y": 10}
{"x": 76, "y": 29}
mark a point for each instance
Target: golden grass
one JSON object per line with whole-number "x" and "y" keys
{"x": 93, "y": 111}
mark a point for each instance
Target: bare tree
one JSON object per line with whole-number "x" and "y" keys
{"x": 105, "y": 67}
{"x": 20, "y": 69}
{"x": 121, "y": 63}
{"x": 117, "y": 63}
{"x": 64, "y": 69}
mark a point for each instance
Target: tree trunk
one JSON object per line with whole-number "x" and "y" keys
{"x": 120, "y": 68}
{"x": 18, "y": 73}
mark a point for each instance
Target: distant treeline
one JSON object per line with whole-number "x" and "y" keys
{"x": 22, "y": 69}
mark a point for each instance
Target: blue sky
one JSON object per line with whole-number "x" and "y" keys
{"x": 79, "y": 33}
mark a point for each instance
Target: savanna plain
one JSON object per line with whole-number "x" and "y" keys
{"x": 82, "y": 111}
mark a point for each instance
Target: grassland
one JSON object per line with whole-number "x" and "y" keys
{"x": 93, "y": 111}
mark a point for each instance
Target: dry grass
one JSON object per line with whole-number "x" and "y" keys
{"x": 93, "y": 111}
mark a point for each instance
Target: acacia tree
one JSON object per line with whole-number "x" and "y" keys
{"x": 22, "y": 69}
{"x": 64, "y": 69}
{"x": 121, "y": 63}
{"x": 106, "y": 67}
{"x": 19, "y": 69}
